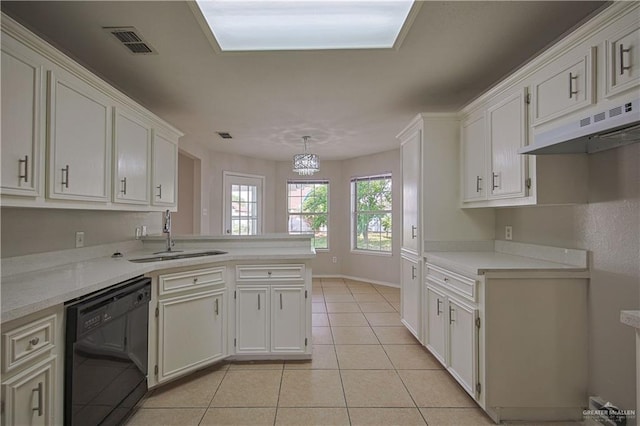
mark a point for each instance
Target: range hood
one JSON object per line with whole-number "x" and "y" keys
{"x": 608, "y": 129}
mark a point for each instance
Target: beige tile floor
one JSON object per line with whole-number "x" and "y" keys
{"x": 367, "y": 369}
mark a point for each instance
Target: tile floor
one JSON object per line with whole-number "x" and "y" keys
{"x": 367, "y": 369}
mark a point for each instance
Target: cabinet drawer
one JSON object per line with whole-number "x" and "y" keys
{"x": 456, "y": 283}
{"x": 28, "y": 342}
{"x": 263, "y": 273}
{"x": 191, "y": 280}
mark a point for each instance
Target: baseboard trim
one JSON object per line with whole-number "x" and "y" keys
{"x": 350, "y": 277}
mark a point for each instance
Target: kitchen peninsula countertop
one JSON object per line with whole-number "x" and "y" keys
{"x": 36, "y": 282}
{"x": 506, "y": 256}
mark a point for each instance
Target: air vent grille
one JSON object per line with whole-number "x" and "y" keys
{"x": 615, "y": 111}
{"x": 131, "y": 39}
{"x": 599, "y": 117}
{"x": 585, "y": 121}
{"x": 225, "y": 135}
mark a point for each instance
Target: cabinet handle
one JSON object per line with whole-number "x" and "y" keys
{"x": 258, "y": 301}
{"x": 438, "y": 311}
{"x": 494, "y": 176}
{"x": 195, "y": 280}
{"x": 478, "y": 179}
{"x": 445, "y": 279}
{"x": 124, "y": 186}
{"x": 40, "y": 399}
{"x": 159, "y": 194}
{"x": 24, "y": 176}
{"x": 34, "y": 341}
{"x": 217, "y": 311}
{"x": 571, "y": 91}
{"x": 269, "y": 273}
{"x": 413, "y": 232}
{"x": 451, "y": 311}
{"x": 65, "y": 176}
{"x": 413, "y": 272}
{"x": 622, "y": 52}
{"x": 280, "y": 301}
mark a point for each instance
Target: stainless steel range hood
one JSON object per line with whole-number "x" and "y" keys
{"x": 608, "y": 129}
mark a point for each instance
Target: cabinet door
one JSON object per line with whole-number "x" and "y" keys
{"x": 22, "y": 119}
{"x": 410, "y": 296}
{"x": 563, "y": 87}
{"x": 622, "y": 56}
{"x": 79, "y": 139}
{"x": 165, "y": 171}
{"x": 411, "y": 192}
{"x": 252, "y": 320}
{"x": 436, "y": 304}
{"x": 28, "y": 396}
{"x": 463, "y": 346}
{"x": 219, "y": 324}
{"x": 507, "y": 123}
{"x": 132, "y": 147}
{"x": 188, "y": 333}
{"x": 473, "y": 160}
{"x": 288, "y": 319}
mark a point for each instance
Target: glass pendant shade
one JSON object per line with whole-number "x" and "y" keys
{"x": 306, "y": 164}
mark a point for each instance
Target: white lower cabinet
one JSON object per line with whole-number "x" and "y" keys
{"x": 29, "y": 396}
{"x": 410, "y": 295}
{"x": 192, "y": 324}
{"x": 273, "y": 315}
{"x": 252, "y": 319}
{"x": 452, "y": 335}
{"x": 32, "y": 381}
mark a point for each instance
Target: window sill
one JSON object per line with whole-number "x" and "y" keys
{"x": 372, "y": 253}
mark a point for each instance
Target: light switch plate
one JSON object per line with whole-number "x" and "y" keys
{"x": 79, "y": 239}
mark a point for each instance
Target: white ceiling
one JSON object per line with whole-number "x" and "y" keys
{"x": 351, "y": 102}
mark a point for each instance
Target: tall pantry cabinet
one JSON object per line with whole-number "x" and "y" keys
{"x": 430, "y": 209}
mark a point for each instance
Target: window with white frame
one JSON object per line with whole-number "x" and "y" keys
{"x": 308, "y": 210}
{"x": 371, "y": 203}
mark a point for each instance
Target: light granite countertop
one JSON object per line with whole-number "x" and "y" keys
{"x": 630, "y": 318}
{"x": 509, "y": 257}
{"x": 36, "y": 282}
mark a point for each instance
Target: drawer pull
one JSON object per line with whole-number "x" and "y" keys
{"x": 258, "y": 302}
{"x": 39, "y": 389}
{"x": 159, "y": 194}
{"x": 34, "y": 341}
{"x": 413, "y": 232}
{"x": 280, "y": 301}
{"x": 124, "y": 186}
{"x": 478, "y": 179}
{"x": 623, "y": 68}
{"x": 65, "y": 176}
{"x": 413, "y": 272}
{"x": 217, "y": 307}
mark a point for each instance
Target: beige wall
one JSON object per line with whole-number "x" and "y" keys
{"x": 183, "y": 220}
{"x": 28, "y": 231}
{"x": 609, "y": 227}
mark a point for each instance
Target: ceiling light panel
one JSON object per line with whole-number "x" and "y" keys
{"x": 246, "y": 25}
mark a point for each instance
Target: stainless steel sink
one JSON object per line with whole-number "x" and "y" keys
{"x": 175, "y": 256}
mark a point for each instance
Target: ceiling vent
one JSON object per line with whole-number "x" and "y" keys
{"x": 225, "y": 135}
{"x": 132, "y": 40}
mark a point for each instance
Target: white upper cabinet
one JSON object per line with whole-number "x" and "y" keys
{"x": 474, "y": 169}
{"x": 132, "y": 154}
{"x": 165, "y": 171}
{"x": 564, "y": 86}
{"x": 411, "y": 160}
{"x": 622, "y": 59}
{"x": 23, "y": 115}
{"x": 79, "y": 140}
{"x": 507, "y": 121}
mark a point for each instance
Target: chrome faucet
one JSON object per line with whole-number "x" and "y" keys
{"x": 166, "y": 229}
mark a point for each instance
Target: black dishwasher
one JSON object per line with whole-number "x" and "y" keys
{"x": 106, "y": 353}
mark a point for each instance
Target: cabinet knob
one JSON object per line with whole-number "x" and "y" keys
{"x": 34, "y": 341}
{"x": 195, "y": 280}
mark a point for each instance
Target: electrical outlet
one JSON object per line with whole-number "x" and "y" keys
{"x": 508, "y": 232}
{"x": 334, "y": 259}
{"x": 79, "y": 239}
{"x": 144, "y": 230}
{"x": 138, "y": 232}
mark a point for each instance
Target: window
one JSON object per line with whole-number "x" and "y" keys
{"x": 308, "y": 210}
{"x": 242, "y": 204}
{"x": 371, "y": 213}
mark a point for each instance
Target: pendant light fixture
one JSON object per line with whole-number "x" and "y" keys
{"x": 306, "y": 164}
